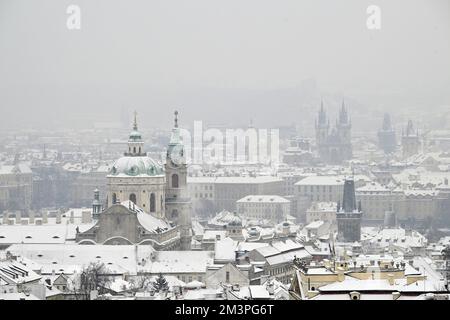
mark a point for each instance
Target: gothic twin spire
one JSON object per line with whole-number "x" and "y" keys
{"x": 343, "y": 115}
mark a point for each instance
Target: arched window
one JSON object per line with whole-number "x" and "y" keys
{"x": 114, "y": 198}
{"x": 134, "y": 149}
{"x": 139, "y": 150}
{"x": 175, "y": 214}
{"x": 133, "y": 198}
{"x": 174, "y": 181}
{"x": 152, "y": 203}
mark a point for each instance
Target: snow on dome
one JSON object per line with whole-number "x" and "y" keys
{"x": 235, "y": 220}
{"x": 225, "y": 218}
{"x": 137, "y": 166}
{"x": 135, "y": 135}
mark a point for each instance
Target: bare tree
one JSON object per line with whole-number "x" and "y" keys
{"x": 94, "y": 277}
{"x": 141, "y": 283}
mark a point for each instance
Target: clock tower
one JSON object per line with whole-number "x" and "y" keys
{"x": 178, "y": 202}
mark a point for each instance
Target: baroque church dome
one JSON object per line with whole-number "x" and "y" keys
{"x": 135, "y": 162}
{"x": 136, "y": 166}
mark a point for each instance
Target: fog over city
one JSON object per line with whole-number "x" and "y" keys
{"x": 221, "y": 61}
{"x": 241, "y": 151}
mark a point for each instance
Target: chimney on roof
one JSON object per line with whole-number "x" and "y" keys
{"x": 391, "y": 279}
{"x": 270, "y": 288}
{"x": 395, "y": 295}
{"x": 340, "y": 274}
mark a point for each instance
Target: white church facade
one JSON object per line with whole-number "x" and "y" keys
{"x": 155, "y": 193}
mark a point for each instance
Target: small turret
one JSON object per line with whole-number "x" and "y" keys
{"x": 135, "y": 142}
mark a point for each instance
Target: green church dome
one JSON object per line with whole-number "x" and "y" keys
{"x": 137, "y": 166}
{"x": 135, "y": 136}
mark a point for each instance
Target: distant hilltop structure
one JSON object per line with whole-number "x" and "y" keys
{"x": 386, "y": 135}
{"x": 334, "y": 146}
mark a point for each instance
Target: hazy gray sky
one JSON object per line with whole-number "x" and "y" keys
{"x": 215, "y": 58}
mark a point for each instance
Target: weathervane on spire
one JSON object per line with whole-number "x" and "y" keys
{"x": 176, "y": 119}
{"x": 135, "y": 127}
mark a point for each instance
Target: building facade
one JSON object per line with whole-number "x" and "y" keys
{"x": 269, "y": 207}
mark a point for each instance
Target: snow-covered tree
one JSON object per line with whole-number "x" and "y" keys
{"x": 160, "y": 284}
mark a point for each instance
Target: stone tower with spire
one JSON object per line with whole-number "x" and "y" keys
{"x": 344, "y": 129}
{"x": 96, "y": 205}
{"x": 334, "y": 146}
{"x": 386, "y": 135}
{"x": 410, "y": 140}
{"x": 348, "y": 215}
{"x": 178, "y": 202}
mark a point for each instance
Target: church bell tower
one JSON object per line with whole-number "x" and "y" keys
{"x": 178, "y": 202}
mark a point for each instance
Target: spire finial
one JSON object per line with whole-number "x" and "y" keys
{"x": 135, "y": 127}
{"x": 176, "y": 118}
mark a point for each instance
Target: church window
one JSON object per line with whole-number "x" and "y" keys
{"x": 174, "y": 181}
{"x": 227, "y": 277}
{"x": 133, "y": 198}
{"x": 152, "y": 202}
{"x": 134, "y": 149}
{"x": 114, "y": 198}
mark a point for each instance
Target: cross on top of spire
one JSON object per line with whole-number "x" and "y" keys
{"x": 176, "y": 119}
{"x": 135, "y": 127}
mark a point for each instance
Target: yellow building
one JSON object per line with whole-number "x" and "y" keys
{"x": 368, "y": 276}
